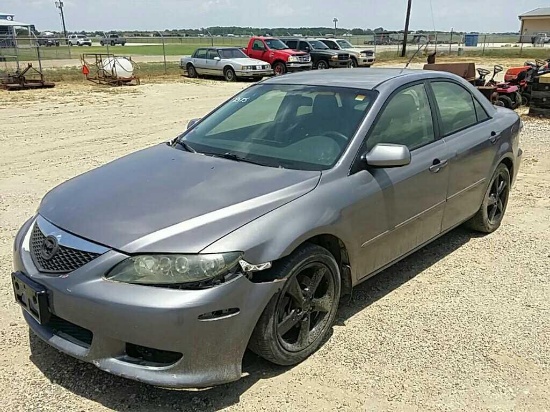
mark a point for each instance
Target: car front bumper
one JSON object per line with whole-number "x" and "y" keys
{"x": 339, "y": 63}
{"x": 296, "y": 66}
{"x": 254, "y": 73}
{"x": 210, "y": 328}
{"x": 365, "y": 61}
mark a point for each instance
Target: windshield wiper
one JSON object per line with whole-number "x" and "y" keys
{"x": 186, "y": 146}
{"x": 233, "y": 156}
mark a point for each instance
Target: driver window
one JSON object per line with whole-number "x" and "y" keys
{"x": 304, "y": 46}
{"x": 257, "y": 45}
{"x": 211, "y": 54}
{"x": 331, "y": 45}
{"x": 406, "y": 120}
{"x": 201, "y": 54}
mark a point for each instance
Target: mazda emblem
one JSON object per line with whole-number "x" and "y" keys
{"x": 50, "y": 246}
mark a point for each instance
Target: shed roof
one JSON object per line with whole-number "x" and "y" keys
{"x": 539, "y": 12}
{"x": 13, "y": 23}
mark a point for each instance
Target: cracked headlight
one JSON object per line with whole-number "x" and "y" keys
{"x": 162, "y": 270}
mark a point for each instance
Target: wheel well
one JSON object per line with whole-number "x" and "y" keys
{"x": 338, "y": 249}
{"x": 509, "y": 164}
{"x": 189, "y": 65}
{"x": 278, "y": 61}
{"x": 227, "y": 67}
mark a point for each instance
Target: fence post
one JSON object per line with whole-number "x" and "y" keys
{"x": 451, "y": 42}
{"x": 484, "y": 43}
{"x": 163, "y": 52}
{"x": 521, "y": 44}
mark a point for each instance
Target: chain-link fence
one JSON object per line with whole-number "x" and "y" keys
{"x": 52, "y": 51}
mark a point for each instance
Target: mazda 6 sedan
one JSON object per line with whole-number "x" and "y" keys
{"x": 164, "y": 266}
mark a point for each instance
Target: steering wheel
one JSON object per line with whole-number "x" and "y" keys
{"x": 540, "y": 63}
{"x": 340, "y": 138}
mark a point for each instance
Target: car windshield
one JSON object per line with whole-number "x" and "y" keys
{"x": 288, "y": 126}
{"x": 318, "y": 45}
{"x": 276, "y": 44}
{"x": 81, "y": 36}
{"x": 344, "y": 44}
{"x": 232, "y": 54}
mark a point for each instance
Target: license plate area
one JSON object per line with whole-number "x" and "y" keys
{"x": 31, "y": 296}
{"x": 258, "y": 67}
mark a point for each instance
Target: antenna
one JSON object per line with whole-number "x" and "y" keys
{"x": 414, "y": 55}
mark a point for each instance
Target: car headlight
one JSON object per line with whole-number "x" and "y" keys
{"x": 362, "y": 54}
{"x": 174, "y": 269}
{"x": 293, "y": 59}
{"x": 248, "y": 68}
{"x": 335, "y": 57}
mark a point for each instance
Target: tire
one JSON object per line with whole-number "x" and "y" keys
{"x": 101, "y": 43}
{"x": 517, "y": 100}
{"x": 489, "y": 216}
{"x": 526, "y": 99}
{"x": 354, "y": 63}
{"x": 290, "y": 328}
{"x": 506, "y": 101}
{"x": 229, "y": 75}
{"x": 191, "y": 71}
{"x": 112, "y": 43}
{"x": 279, "y": 69}
{"x": 322, "y": 65}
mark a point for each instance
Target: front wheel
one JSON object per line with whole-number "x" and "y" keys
{"x": 101, "y": 43}
{"x": 506, "y": 101}
{"x": 490, "y": 214}
{"x": 191, "y": 71}
{"x": 297, "y": 321}
{"x": 354, "y": 63}
{"x": 229, "y": 75}
{"x": 322, "y": 65}
{"x": 279, "y": 69}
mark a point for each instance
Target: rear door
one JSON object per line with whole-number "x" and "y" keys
{"x": 199, "y": 61}
{"x": 471, "y": 137}
{"x": 413, "y": 195}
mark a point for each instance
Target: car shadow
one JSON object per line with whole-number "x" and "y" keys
{"x": 119, "y": 394}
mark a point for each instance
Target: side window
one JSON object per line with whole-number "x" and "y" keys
{"x": 293, "y": 44}
{"x": 201, "y": 54}
{"x": 406, "y": 120}
{"x": 211, "y": 54}
{"x": 480, "y": 111}
{"x": 258, "y": 45}
{"x": 456, "y": 106}
{"x": 304, "y": 46}
{"x": 331, "y": 45}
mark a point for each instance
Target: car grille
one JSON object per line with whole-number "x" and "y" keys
{"x": 304, "y": 59}
{"x": 69, "y": 331}
{"x": 343, "y": 56}
{"x": 369, "y": 53}
{"x": 65, "y": 260}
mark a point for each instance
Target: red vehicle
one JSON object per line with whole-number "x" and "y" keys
{"x": 277, "y": 53}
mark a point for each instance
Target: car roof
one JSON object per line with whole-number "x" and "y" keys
{"x": 368, "y": 79}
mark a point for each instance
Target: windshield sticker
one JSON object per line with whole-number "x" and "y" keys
{"x": 360, "y": 97}
{"x": 241, "y": 99}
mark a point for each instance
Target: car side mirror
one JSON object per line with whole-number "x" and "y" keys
{"x": 192, "y": 122}
{"x": 387, "y": 155}
{"x": 217, "y": 58}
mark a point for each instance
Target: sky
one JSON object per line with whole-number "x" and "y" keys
{"x": 462, "y": 15}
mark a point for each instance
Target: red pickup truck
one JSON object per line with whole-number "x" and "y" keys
{"x": 277, "y": 53}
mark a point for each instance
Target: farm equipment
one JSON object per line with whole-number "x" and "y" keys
{"x": 524, "y": 76}
{"x": 102, "y": 68}
{"x": 508, "y": 94}
{"x": 28, "y": 78}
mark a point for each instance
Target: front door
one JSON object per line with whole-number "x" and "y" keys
{"x": 199, "y": 61}
{"x": 213, "y": 66}
{"x": 258, "y": 49}
{"x": 414, "y": 195}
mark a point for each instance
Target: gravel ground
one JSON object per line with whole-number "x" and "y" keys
{"x": 460, "y": 325}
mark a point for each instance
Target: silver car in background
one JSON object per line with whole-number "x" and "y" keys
{"x": 244, "y": 231}
{"x": 228, "y": 62}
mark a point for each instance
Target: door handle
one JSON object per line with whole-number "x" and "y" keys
{"x": 438, "y": 165}
{"x": 494, "y": 137}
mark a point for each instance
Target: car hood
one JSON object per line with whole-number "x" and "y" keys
{"x": 166, "y": 200}
{"x": 359, "y": 50}
{"x": 291, "y": 52}
{"x": 245, "y": 61}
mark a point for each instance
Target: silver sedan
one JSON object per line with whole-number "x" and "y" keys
{"x": 244, "y": 231}
{"x": 228, "y": 62}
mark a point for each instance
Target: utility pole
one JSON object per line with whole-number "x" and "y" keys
{"x": 335, "y": 20}
{"x": 59, "y": 5}
{"x": 406, "y": 32}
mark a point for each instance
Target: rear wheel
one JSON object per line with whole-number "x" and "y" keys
{"x": 229, "y": 75}
{"x": 490, "y": 214}
{"x": 506, "y": 101}
{"x": 517, "y": 100}
{"x": 191, "y": 71}
{"x": 297, "y": 321}
{"x": 525, "y": 99}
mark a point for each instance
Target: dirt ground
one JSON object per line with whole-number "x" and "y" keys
{"x": 461, "y": 325}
